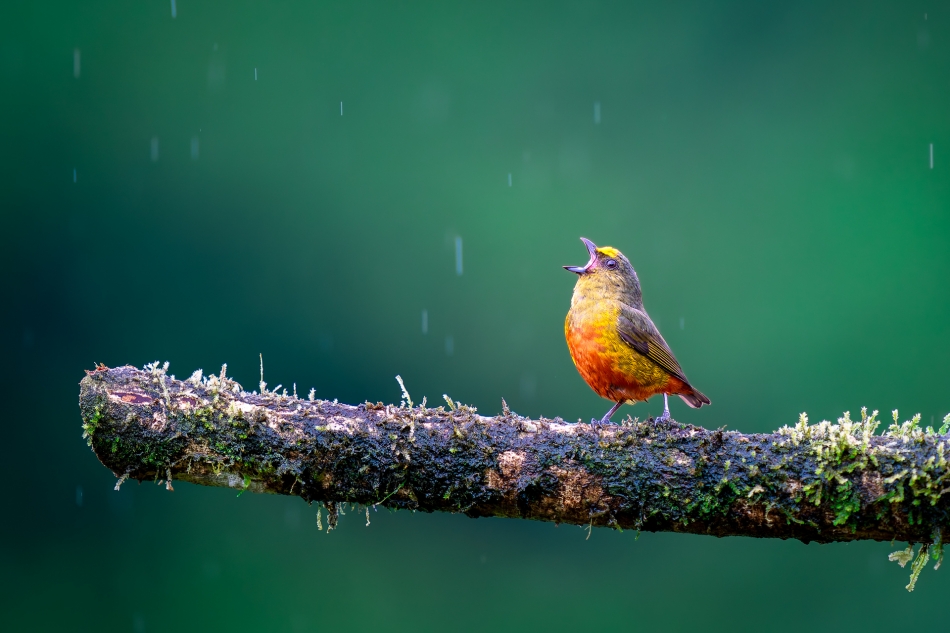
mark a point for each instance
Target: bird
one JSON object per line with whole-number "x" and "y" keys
{"x": 613, "y": 342}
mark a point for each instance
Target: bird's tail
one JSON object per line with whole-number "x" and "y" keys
{"x": 694, "y": 398}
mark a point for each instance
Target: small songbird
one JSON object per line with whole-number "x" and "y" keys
{"x": 614, "y": 344}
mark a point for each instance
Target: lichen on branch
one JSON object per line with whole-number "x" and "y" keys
{"x": 823, "y": 482}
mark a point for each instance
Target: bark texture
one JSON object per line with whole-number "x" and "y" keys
{"x": 823, "y": 482}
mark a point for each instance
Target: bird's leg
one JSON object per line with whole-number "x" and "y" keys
{"x": 666, "y": 411}
{"x": 613, "y": 409}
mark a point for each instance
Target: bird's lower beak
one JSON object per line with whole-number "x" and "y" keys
{"x": 580, "y": 270}
{"x": 592, "y": 249}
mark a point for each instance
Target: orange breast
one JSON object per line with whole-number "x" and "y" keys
{"x": 612, "y": 368}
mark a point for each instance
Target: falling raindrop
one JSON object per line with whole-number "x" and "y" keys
{"x": 458, "y": 256}
{"x": 255, "y": 74}
{"x": 509, "y": 178}
{"x": 597, "y": 113}
{"x": 174, "y": 10}
{"x": 682, "y": 323}
{"x": 76, "y": 63}
{"x": 341, "y": 108}
{"x": 425, "y": 321}
{"x": 931, "y": 155}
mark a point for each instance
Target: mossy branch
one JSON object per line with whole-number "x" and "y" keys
{"x": 824, "y": 482}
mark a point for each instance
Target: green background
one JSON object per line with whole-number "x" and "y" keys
{"x": 764, "y": 166}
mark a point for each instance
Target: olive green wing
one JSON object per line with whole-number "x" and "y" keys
{"x": 637, "y": 330}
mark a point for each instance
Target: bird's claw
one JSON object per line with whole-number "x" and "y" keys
{"x": 665, "y": 417}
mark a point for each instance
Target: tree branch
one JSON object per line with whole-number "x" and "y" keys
{"x": 824, "y": 482}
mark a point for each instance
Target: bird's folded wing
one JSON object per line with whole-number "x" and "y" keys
{"x": 637, "y": 330}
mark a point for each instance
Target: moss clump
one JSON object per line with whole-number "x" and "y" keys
{"x": 91, "y": 423}
{"x": 839, "y": 450}
{"x": 902, "y": 557}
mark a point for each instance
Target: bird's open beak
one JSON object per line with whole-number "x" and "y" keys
{"x": 592, "y": 249}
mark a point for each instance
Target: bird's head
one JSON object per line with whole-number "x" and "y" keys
{"x": 608, "y": 272}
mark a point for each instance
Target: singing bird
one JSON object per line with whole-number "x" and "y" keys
{"x": 613, "y": 343}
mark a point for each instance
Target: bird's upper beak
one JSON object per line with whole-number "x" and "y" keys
{"x": 592, "y": 249}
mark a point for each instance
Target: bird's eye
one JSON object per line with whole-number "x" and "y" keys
{"x": 611, "y": 263}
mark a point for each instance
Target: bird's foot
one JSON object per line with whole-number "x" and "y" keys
{"x": 665, "y": 417}
{"x": 607, "y": 416}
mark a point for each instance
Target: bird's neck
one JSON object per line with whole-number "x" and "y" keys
{"x": 596, "y": 288}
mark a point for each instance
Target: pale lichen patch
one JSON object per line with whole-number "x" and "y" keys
{"x": 236, "y": 406}
{"x": 505, "y": 478}
{"x": 681, "y": 459}
{"x": 159, "y": 420}
{"x": 579, "y": 491}
{"x": 510, "y": 463}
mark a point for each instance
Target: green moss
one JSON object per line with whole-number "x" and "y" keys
{"x": 902, "y": 557}
{"x": 839, "y": 450}
{"x": 91, "y": 423}
{"x": 945, "y": 426}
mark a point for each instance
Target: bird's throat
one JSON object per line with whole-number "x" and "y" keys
{"x": 598, "y": 287}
